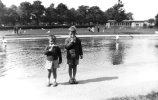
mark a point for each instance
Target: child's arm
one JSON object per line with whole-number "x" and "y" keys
{"x": 60, "y": 56}
{"x": 46, "y": 50}
{"x": 68, "y": 44}
{"x": 80, "y": 50}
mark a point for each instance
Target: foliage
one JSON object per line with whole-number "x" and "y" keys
{"x": 117, "y": 13}
{"x": 156, "y": 20}
{"x": 36, "y": 14}
{"x": 38, "y": 11}
{"x": 24, "y": 12}
{"x": 2, "y": 12}
{"x": 151, "y": 20}
{"x": 51, "y": 14}
{"x": 62, "y": 13}
{"x": 11, "y": 15}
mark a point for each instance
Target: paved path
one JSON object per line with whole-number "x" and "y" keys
{"x": 95, "y": 84}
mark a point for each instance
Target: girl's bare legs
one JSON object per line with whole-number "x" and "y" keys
{"x": 54, "y": 71}
{"x": 49, "y": 76}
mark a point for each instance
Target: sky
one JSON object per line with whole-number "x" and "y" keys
{"x": 141, "y": 9}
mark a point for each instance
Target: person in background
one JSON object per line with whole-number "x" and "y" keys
{"x": 98, "y": 28}
{"x": 16, "y": 30}
{"x": 74, "y": 52}
{"x": 54, "y": 58}
{"x": 4, "y": 43}
{"x": 93, "y": 29}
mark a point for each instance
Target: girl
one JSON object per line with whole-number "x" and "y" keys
{"x": 54, "y": 58}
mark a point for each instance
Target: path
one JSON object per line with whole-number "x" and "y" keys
{"x": 100, "y": 84}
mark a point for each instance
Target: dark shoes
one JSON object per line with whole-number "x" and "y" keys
{"x": 49, "y": 84}
{"x": 55, "y": 84}
{"x": 73, "y": 81}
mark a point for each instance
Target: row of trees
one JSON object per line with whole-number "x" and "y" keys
{"x": 36, "y": 14}
{"x": 156, "y": 20}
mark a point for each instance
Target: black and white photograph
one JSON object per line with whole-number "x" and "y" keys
{"x": 78, "y": 50}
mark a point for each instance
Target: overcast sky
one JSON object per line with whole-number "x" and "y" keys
{"x": 141, "y": 9}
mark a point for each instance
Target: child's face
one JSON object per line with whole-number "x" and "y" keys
{"x": 52, "y": 41}
{"x": 72, "y": 34}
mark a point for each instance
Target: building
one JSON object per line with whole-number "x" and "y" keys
{"x": 128, "y": 23}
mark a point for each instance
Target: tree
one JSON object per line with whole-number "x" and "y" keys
{"x": 129, "y": 16}
{"x": 62, "y": 13}
{"x": 24, "y": 12}
{"x": 51, "y": 14}
{"x": 11, "y": 16}
{"x": 38, "y": 11}
{"x": 96, "y": 15}
{"x": 117, "y": 13}
{"x": 156, "y": 20}
{"x": 72, "y": 16}
{"x": 110, "y": 14}
{"x": 82, "y": 13}
{"x": 2, "y": 12}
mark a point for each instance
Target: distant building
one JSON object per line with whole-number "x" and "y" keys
{"x": 128, "y": 23}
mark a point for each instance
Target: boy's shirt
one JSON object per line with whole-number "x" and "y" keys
{"x": 77, "y": 47}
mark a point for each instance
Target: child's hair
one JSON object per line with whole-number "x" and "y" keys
{"x": 53, "y": 38}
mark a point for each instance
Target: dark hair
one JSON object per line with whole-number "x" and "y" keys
{"x": 53, "y": 37}
{"x": 48, "y": 53}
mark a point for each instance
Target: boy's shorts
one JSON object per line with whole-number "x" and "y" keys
{"x": 52, "y": 64}
{"x": 73, "y": 61}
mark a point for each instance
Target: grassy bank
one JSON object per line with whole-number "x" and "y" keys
{"x": 80, "y": 31}
{"x": 150, "y": 96}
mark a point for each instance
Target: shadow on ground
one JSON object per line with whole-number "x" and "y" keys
{"x": 99, "y": 79}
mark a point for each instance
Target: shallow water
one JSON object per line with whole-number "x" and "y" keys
{"x": 25, "y": 58}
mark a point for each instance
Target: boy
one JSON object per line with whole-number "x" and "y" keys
{"x": 54, "y": 58}
{"x": 74, "y": 51}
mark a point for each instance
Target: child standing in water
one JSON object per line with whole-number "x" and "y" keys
{"x": 54, "y": 58}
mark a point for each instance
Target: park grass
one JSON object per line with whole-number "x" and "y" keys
{"x": 84, "y": 31}
{"x": 150, "y": 96}
{"x": 80, "y": 31}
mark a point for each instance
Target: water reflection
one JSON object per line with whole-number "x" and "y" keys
{"x": 2, "y": 59}
{"x": 117, "y": 49}
{"x": 25, "y": 57}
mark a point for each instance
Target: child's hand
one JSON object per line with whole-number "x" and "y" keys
{"x": 81, "y": 56}
{"x": 72, "y": 40}
{"x": 60, "y": 62}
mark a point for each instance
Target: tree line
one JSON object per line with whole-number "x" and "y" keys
{"x": 36, "y": 14}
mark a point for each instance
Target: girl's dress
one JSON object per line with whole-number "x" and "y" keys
{"x": 52, "y": 64}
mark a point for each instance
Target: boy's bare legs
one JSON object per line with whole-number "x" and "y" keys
{"x": 72, "y": 73}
